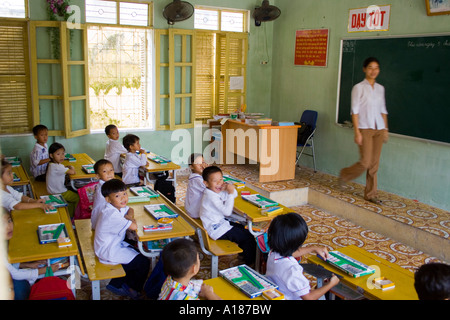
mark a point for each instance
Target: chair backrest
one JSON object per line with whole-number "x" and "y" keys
{"x": 309, "y": 117}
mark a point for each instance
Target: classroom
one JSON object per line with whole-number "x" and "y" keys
{"x": 172, "y": 89}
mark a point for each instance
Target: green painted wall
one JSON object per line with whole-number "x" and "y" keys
{"x": 411, "y": 168}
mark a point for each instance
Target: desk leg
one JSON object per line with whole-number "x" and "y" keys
{"x": 147, "y": 254}
{"x": 95, "y": 289}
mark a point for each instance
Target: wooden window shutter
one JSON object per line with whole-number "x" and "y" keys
{"x": 15, "y": 98}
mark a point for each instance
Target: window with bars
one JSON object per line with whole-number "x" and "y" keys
{"x": 120, "y": 63}
{"x": 221, "y": 57}
{"x": 15, "y": 99}
{"x": 120, "y": 77}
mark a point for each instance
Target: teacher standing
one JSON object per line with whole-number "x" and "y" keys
{"x": 369, "y": 117}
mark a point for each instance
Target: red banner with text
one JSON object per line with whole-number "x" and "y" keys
{"x": 311, "y": 47}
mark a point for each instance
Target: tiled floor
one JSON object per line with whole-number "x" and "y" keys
{"x": 328, "y": 230}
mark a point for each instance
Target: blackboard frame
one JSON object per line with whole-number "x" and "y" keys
{"x": 361, "y": 77}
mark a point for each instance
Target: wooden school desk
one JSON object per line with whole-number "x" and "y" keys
{"x": 80, "y": 174}
{"x": 24, "y": 182}
{"x": 226, "y": 291}
{"x": 24, "y": 246}
{"x": 254, "y": 143}
{"x": 153, "y": 167}
{"x": 403, "y": 279}
{"x": 181, "y": 228}
{"x": 252, "y": 213}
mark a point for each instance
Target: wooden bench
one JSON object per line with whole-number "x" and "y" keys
{"x": 213, "y": 248}
{"x": 39, "y": 188}
{"x": 95, "y": 269}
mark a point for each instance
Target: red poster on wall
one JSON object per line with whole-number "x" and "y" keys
{"x": 311, "y": 47}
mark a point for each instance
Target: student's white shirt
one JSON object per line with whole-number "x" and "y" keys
{"x": 16, "y": 273}
{"x": 194, "y": 194}
{"x": 37, "y": 154}
{"x": 213, "y": 210}
{"x": 131, "y": 167}
{"x": 55, "y": 178}
{"x": 287, "y": 273}
{"x": 113, "y": 151}
{"x": 110, "y": 230}
{"x": 11, "y": 198}
{"x": 369, "y": 103}
{"x": 98, "y": 204}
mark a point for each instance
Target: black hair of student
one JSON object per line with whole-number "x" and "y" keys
{"x": 113, "y": 186}
{"x": 432, "y": 281}
{"x": 178, "y": 256}
{"x": 38, "y": 128}
{"x": 286, "y": 233}
{"x": 209, "y": 171}
{"x": 5, "y": 164}
{"x": 109, "y": 127}
{"x": 129, "y": 139}
{"x": 100, "y": 163}
{"x": 55, "y": 146}
{"x": 369, "y": 61}
{"x": 194, "y": 156}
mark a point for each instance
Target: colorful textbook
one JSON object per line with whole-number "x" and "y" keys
{"x": 144, "y": 191}
{"x": 259, "y": 201}
{"x": 49, "y": 233}
{"x": 55, "y": 200}
{"x": 247, "y": 280}
{"x": 157, "y": 158}
{"x": 349, "y": 265}
{"x": 159, "y": 211}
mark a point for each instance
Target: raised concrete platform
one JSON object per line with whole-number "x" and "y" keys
{"x": 407, "y": 221}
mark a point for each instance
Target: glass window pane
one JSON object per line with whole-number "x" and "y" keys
{"x": 78, "y": 114}
{"x": 76, "y": 80}
{"x": 206, "y": 19}
{"x": 51, "y": 114}
{"x": 135, "y": 14}
{"x": 232, "y": 21}
{"x": 101, "y": 11}
{"x": 12, "y": 8}
{"x": 119, "y": 81}
{"x": 49, "y": 79}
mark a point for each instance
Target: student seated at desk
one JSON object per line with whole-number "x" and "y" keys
{"x": 195, "y": 187}
{"x": 432, "y": 281}
{"x": 39, "y": 158}
{"x": 56, "y": 177}
{"x": 286, "y": 234}
{"x": 217, "y": 203}
{"x": 133, "y": 160}
{"x": 109, "y": 245}
{"x": 181, "y": 262}
{"x": 105, "y": 171}
{"x": 114, "y": 148}
{"x": 15, "y": 200}
{"x": 24, "y": 274}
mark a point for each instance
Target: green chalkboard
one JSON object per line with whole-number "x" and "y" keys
{"x": 415, "y": 72}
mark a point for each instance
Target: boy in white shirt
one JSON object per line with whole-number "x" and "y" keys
{"x": 217, "y": 203}
{"x": 114, "y": 148}
{"x": 105, "y": 171}
{"x": 109, "y": 245}
{"x": 39, "y": 157}
{"x": 195, "y": 187}
{"x": 133, "y": 160}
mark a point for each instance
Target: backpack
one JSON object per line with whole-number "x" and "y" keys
{"x": 303, "y": 133}
{"x": 51, "y": 288}
{"x": 164, "y": 186}
{"x": 86, "y": 194}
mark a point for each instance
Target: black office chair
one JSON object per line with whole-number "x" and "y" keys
{"x": 305, "y": 136}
